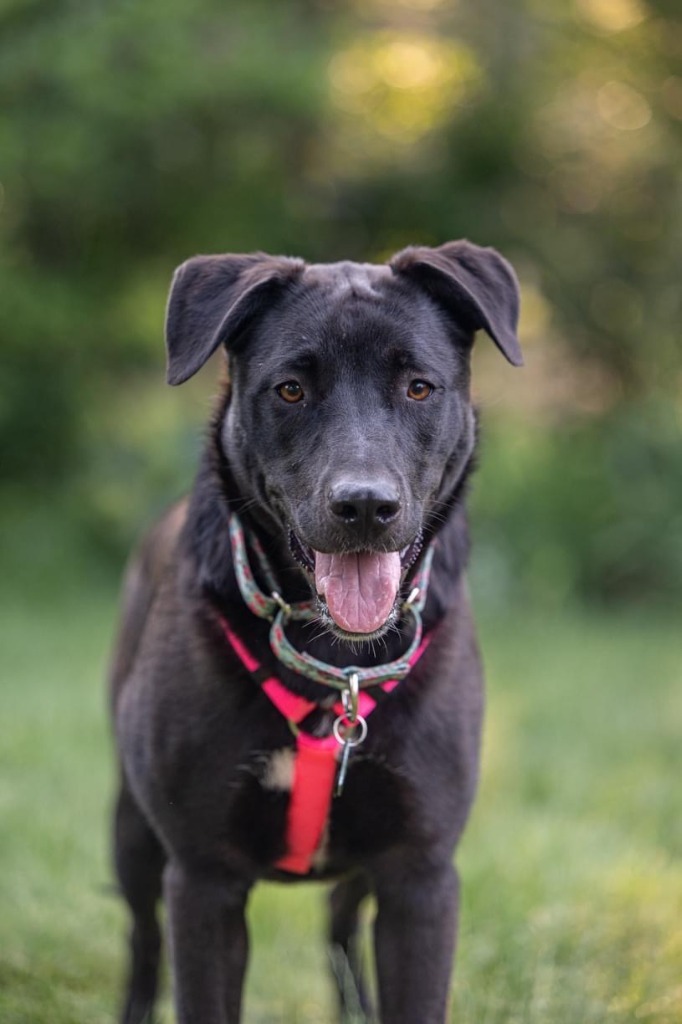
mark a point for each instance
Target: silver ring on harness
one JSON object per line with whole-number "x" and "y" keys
{"x": 349, "y": 739}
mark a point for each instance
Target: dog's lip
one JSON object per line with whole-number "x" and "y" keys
{"x": 304, "y": 553}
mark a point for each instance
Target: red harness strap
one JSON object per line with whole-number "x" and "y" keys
{"x": 315, "y": 761}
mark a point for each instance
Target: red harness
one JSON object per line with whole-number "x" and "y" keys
{"x": 315, "y": 760}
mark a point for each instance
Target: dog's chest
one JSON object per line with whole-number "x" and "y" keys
{"x": 371, "y": 813}
{"x": 216, "y": 768}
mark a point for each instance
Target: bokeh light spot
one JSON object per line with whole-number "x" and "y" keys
{"x": 612, "y": 15}
{"x": 399, "y": 86}
{"x": 405, "y": 64}
{"x": 404, "y": 5}
{"x": 623, "y": 107}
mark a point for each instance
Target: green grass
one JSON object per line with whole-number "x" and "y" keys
{"x": 571, "y": 867}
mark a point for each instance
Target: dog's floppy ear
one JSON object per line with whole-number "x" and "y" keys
{"x": 213, "y": 299}
{"x": 474, "y": 283}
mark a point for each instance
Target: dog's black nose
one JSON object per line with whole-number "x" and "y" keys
{"x": 365, "y": 507}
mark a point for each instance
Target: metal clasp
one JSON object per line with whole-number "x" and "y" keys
{"x": 350, "y": 697}
{"x": 354, "y": 728}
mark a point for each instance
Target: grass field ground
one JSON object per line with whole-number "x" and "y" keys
{"x": 571, "y": 867}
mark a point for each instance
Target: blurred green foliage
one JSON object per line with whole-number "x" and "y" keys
{"x": 133, "y": 135}
{"x": 593, "y": 509}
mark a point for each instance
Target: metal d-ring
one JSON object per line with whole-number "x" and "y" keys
{"x": 351, "y": 721}
{"x": 347, "y": 743}
{"x": 349, "y": 740}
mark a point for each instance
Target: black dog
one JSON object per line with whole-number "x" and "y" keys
{"x": 341, "y": 741}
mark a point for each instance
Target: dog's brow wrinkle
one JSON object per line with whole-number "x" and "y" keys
{"x": 304, "y": 361}
{"x": 347, "y": 278}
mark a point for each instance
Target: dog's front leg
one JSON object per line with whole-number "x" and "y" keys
{"x": 208, "y": 944}
{"x": 414, "y": 937}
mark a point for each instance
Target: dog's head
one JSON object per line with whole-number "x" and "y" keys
{"x": 349, "y": 419}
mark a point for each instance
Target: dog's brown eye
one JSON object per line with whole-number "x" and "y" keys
{"x": 291, "y": 391}
{"x": 419, "y": 390}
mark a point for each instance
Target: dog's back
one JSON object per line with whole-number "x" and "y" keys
{"x": 142, "y": 578}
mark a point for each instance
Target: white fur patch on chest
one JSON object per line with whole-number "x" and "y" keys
{"x": 278, "y": 772}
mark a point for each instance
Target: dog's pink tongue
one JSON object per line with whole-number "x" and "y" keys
{"x": 360, "y": 589}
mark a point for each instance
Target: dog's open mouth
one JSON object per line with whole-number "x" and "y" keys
{"x": 359, "y": 590}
